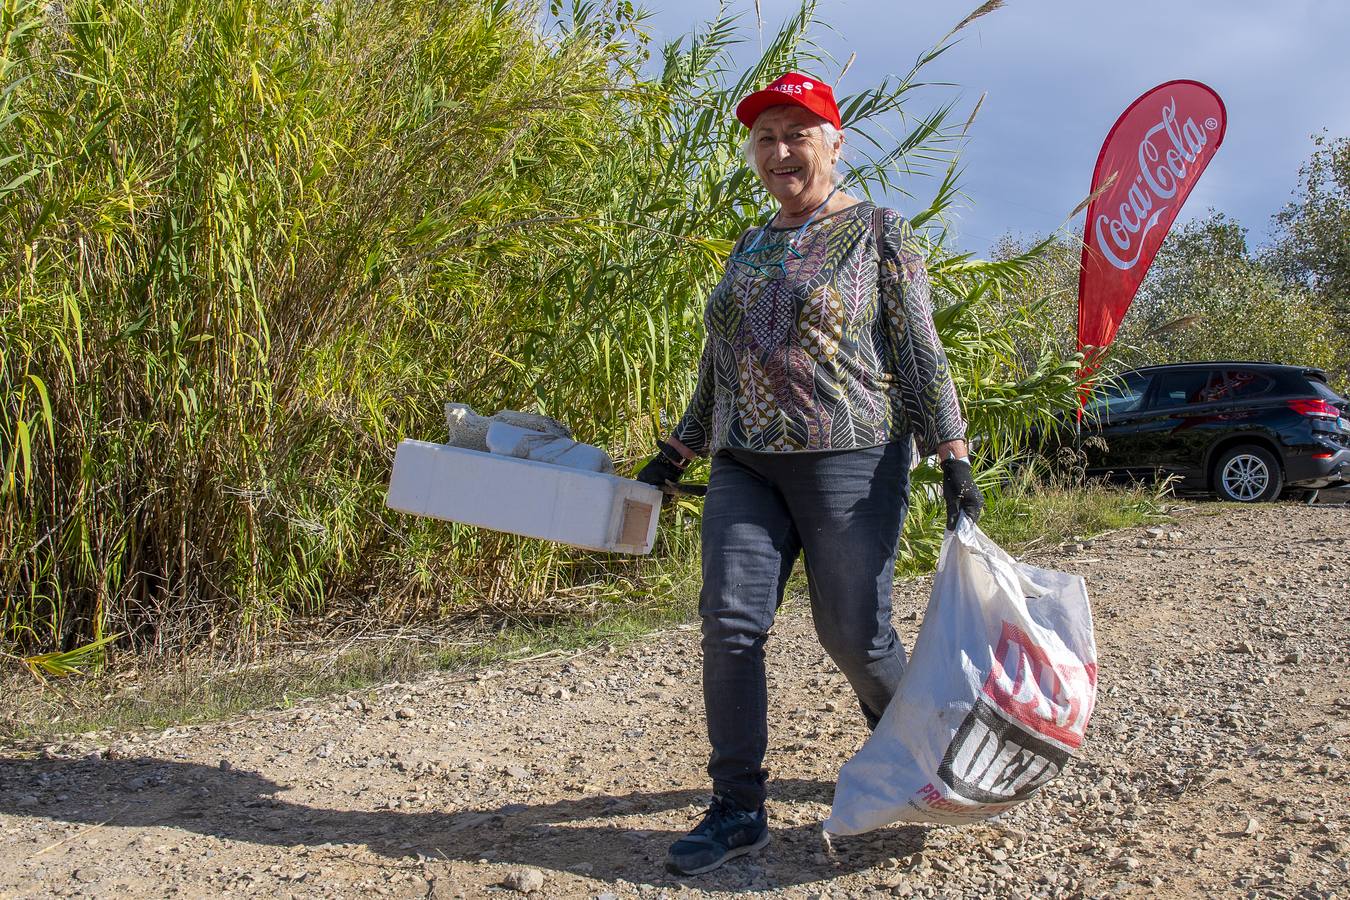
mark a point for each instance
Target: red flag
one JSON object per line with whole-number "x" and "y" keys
{"x": 1151, "y": 160}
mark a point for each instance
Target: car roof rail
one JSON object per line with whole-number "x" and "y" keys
{"x": 1308, "y": 370}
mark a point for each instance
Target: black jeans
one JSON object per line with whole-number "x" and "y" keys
{"x": 843, "y": 509}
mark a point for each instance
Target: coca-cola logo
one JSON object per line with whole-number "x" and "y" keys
{"x": 1166, "y": 158}
{"x": 1052, "y": 697}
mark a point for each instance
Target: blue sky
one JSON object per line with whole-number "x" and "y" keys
{"x": 1057, "y": 73}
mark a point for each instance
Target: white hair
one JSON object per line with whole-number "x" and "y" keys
{"x": 828, "y": 133}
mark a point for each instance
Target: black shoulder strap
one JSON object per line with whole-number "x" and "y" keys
{"x": 740, "y": 241}
{"x": 878, "y": 230}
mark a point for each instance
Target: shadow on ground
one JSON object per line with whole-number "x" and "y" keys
{"x": 585, "y": 834}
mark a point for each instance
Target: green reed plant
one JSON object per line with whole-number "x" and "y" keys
{"x": 258, "y": 239}
{"x": 250, "y": 245}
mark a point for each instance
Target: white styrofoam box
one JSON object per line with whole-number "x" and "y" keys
{"x": 522, "y": 496}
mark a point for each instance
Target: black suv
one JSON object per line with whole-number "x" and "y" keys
{"x": 1242, "y": 430}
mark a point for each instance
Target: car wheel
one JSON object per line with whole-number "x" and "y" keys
{"x": 1248, "y": 474}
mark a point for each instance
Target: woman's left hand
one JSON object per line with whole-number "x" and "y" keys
{"x": 960, "y": 491}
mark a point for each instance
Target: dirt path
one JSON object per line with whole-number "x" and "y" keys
{"x": 1215, "y": 764}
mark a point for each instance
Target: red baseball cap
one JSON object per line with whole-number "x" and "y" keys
{"x": 796, "y": 89}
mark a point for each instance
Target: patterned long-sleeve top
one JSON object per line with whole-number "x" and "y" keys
{"x": 836, "y": 349}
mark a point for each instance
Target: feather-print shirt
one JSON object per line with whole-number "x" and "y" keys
{"x": 834, "y": 350}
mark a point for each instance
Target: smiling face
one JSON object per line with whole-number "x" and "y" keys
{"x": 793, "y": 156}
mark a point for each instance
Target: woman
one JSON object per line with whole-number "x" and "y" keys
{"x": 820, "y": 360}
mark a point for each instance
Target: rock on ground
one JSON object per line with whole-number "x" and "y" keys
{"x": 1215, "y": 763}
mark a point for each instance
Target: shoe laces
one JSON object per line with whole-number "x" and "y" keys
{"x": 718, "y": 808}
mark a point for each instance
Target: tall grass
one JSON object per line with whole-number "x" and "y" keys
{"x": 249, "y": 245}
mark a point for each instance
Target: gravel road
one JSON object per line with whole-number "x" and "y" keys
{"x": 1215, "y": 764}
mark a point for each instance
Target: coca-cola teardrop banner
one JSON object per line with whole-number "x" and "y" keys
{"x": 1155, "y": 152}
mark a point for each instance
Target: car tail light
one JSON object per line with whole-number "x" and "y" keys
{"x": 1323, "y": 455}
{"x": 1320, "y": 409}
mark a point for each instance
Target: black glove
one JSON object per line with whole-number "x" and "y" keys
{"x": 662, "y": 467}
{"x": 960, "y": 492}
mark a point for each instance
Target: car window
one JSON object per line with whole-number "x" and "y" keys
{"x": 1121, "y": 394}
{"x": 1237, "y": 384}
{"x": 1180, "y": 388}
{"x": 1323, "y": 390}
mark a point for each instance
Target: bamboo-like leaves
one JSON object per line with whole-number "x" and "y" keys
{"x": 250, "y": 245}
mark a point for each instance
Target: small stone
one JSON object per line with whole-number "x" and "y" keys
{"x": 25, "y": 801}
{"x": 442, "y": 889}
{"x": 517, "y": 771}
{"x": 607, "y": 895}
{"x": 1293, "y": 658}
{"x": 1301, "y": 817}
{"x": 405, "y": 712}
{"x": 225, "y": 765}
{"x": 1253, "y": 826}
{"x": 85, "y": 875}
{"x": 526, "y": 881}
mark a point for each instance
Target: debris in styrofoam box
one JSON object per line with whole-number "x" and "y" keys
{"x": 468, "y": 429}
{"x": 522, "y": 443}
{"x": 533, "y": 422}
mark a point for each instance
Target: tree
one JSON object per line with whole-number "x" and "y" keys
{"x": 1207, "y": 296}
{"x": 1313, "y": 246}
{"x": 1050, "y": 294}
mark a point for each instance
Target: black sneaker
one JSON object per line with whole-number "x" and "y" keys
{"x": 727, "y": 831}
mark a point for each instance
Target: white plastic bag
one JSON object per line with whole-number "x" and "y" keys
{"x": 996, "y": 697}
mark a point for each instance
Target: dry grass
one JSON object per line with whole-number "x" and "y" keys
{"x": 333, "y": 656}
